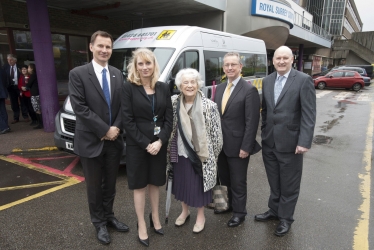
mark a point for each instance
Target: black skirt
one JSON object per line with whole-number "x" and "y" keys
{"x": 143, "y": 168}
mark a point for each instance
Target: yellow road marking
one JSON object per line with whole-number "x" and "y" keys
{"x": 33, "y": 185}
{"x": 361, "y": 235}
{"x": 35, "y": 149}
{"x": 69, "y": 182}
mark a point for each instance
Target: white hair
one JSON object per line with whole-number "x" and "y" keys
{"x": 193, "y": 73}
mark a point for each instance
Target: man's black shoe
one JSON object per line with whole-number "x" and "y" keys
{"x": 103, "y": 235}
{"x": 265, "y": 216}
{"x": 5, "y": 131}
{"x": 223, "y": 211}
{"x": 282, "y": 228}
{"x": 119, "y": 226}
{"x": 235, "y": 221}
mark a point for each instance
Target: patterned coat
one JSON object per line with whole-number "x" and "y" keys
{"x": 214, "y": 139}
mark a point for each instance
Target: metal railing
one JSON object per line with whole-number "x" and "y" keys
{"x": 306, "y": 24}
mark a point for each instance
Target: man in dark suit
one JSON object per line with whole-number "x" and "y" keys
{"x": 13, "y": 74}
{"x": 4, "y": 127}
{"x": 239, "y": 106}
{"x": 288, "y": 120}
{"x": 95, "y": 94}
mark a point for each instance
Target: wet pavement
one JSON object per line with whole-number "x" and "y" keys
{"x": 43, "y": 201}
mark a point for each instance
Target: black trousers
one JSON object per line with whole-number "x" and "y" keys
{"x": 232, "y": 171}
{"x": 284, "y": 172}
{"x": 101, "y": 175}
{"x": 27, "y": 102}
{"x": 15, "y": 100}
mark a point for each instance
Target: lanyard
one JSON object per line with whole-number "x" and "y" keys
{"x": 153, "y": 107}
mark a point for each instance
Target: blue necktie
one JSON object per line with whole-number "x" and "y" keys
{"x": 278, "y": 88}
{"x": 107, "y": 94}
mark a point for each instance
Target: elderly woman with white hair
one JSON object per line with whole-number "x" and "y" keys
{"x": 194, "y": 146}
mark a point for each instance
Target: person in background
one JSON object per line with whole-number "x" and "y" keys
{"x": 13, "y": 74}
{"x": 239, "y": 106}
{"x": 25, "y": 94}
{"x": 147, "y": 119}
{"x": 4, "y": 127}
{"x": 288, "y": 120}
{"x": 33, "y": 87}
{"x": 95, "y": 94}
{"x": 194, "y": 146}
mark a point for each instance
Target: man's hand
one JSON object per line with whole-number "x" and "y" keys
{"x": 300, "y": 150}
{"x": 112, "y": 134}
{"x": 243, "y": 154}
{"x": 154, "y": 147}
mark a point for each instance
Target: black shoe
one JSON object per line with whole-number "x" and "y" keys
{"x": 235, "y": 221}
{"x": 157, "y": 231}
{"x": 223, "y": 211}
{"x": 265, "y": 217}
{"x": 34, "y": 123}
{"x": 103, "y": 235}
{"x": 143, "y": 242}
{"x": 7, "y": 130}
{"x": 282, "y": 228}
{"x": 14, "y": 121}
{"x": 119, "y": 226}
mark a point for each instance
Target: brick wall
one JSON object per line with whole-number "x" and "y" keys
{"x": 61, "y": 21}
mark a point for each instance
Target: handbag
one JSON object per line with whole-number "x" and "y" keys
{"x": 220, "y": 199}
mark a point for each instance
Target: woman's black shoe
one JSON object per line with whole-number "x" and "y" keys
{"x": 157, "y": 231}
{"x": 143, "y": 242}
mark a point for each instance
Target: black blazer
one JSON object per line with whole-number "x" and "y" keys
{"x": 33, "y": 85}
{"x": 137, "y": 114}
{"x": 6, "y": 68}
{"x": 91, "y": 109}
{"x": 241, "y": 117}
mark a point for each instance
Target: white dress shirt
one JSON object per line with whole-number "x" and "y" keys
{"x": 99, "y": 73}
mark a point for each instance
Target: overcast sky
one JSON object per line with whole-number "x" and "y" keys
{"x": 366, "y": 11}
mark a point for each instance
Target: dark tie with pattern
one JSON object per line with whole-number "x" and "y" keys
{"x": 107, "y": 94}
{"x": 12, "y": 74}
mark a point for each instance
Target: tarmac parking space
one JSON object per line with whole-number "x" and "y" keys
{"x": 32, "y": 174}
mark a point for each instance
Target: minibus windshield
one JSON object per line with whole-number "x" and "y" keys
{"x": 121, "y": 58}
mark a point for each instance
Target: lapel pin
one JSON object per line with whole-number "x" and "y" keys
{"x": 114, "y": 76}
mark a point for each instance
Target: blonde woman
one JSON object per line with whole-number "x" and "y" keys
{"x": 147, "y": 120}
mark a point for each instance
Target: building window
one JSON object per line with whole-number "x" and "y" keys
{"x": 78, "y": 50}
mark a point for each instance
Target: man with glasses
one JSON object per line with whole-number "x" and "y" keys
{"x": 239, "y": 106}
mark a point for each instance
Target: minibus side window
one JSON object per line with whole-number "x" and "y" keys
{"x": 188, "y": 59}
{"x": 253, "y": 65}
{"x": 213, "y": 67}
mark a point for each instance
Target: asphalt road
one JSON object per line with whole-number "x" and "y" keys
{"x": 43, "y": 199}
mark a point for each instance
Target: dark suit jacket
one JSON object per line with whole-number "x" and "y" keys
{"x": 290, "y": 122}
{"x": 7, "y": 72}
{"x": 241, "y": 117}
{"x": 137, "y": 114}
{"x": 91, "y": 109}
{"x": 3, "y": 83}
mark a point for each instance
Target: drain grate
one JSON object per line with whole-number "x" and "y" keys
{"x": 322, "y": 139}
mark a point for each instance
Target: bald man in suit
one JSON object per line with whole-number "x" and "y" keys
{"x": 288, "y": 120}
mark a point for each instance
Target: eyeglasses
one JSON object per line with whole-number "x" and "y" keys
{"x": 233, "y": 65}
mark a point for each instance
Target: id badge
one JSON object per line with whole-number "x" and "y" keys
{"x": 156, "y": 130}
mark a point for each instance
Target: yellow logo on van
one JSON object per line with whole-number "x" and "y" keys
{"x": 166, "y": 35}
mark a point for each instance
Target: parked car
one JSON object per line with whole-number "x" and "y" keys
{"x": 340, "y": 79}
{"x": 368, "y": 68}
{"x": 359, "y": 70}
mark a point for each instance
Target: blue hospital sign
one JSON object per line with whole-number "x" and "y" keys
{"x": 273, "y": 10}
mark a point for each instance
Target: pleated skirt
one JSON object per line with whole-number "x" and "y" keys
{"x": 188, "y": 186}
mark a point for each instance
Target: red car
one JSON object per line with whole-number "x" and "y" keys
{"x": 340, "y": 79}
